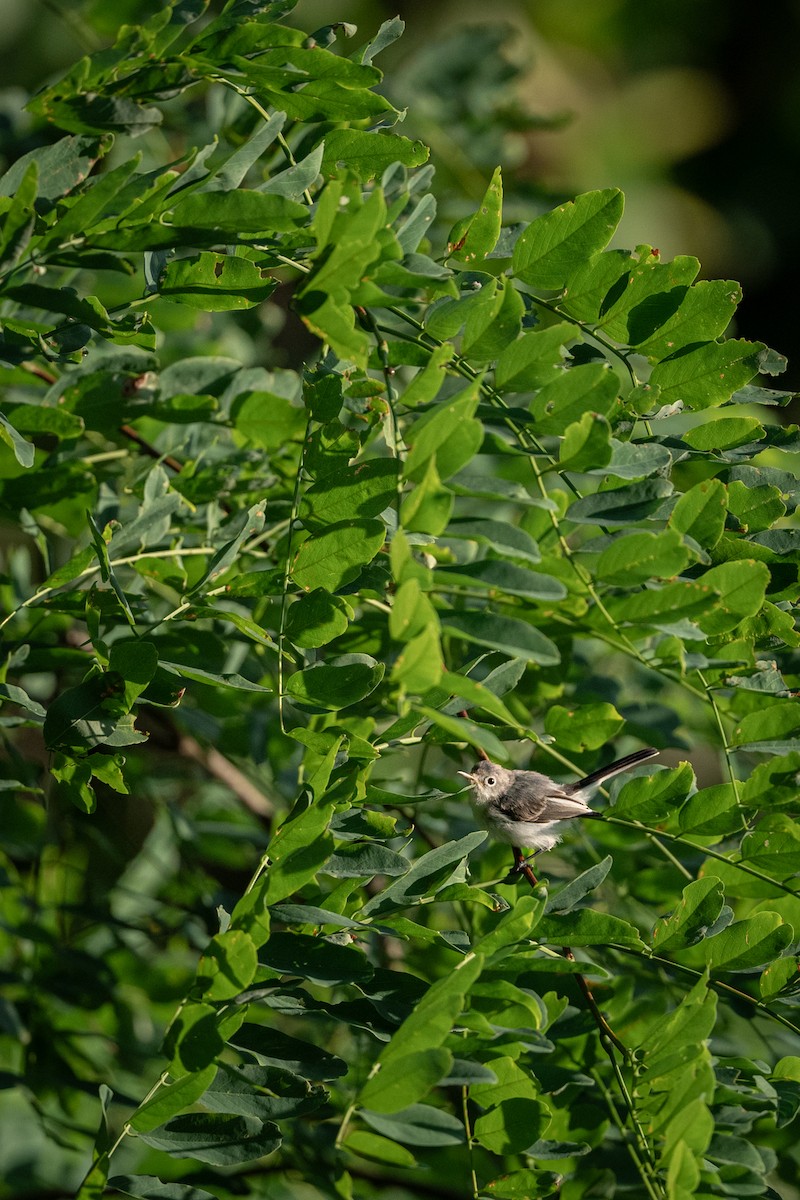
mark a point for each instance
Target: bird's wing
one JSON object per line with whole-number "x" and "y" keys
{"x": 535, "y": 798}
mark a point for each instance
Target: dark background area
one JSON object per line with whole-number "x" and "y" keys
{"x": 692, "y": 109}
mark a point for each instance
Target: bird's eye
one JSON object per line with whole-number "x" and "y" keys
{"x": 491, "y": 781}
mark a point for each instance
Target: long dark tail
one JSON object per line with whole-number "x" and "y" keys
{"x": 615, "y": 768}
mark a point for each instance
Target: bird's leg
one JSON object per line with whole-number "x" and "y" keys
{"x": 522, "y": 866}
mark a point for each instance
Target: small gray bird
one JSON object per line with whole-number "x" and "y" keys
{"x": 525, "y": 808}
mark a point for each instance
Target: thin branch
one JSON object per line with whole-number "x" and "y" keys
{"x": 228, "y": 773}
{"x": 609, "y": 1042}
{"x": 173, "y": 463}
{"x": 717, "y": 984}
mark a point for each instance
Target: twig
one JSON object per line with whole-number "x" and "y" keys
{"x": 130, "y": 433}
{"x": 228, "y": 773}
{"x": 609, "y": 1042}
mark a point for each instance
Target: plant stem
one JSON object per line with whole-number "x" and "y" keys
{"x": 707, "y": 850}
{"x": 723, "y": 738}
{"x": 717, "y": 984}
{"x": 468, "y": 1132}
{"x": 287, "y": 571}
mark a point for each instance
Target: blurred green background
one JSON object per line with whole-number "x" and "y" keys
{"x": 692, "y": 108}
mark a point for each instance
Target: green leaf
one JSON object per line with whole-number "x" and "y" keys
{"x": 215, "y": 282}
{"x": 527, "y": 1184}
{"x": 653, "y": 797}
{"x": 704, "y": 314}
{"x": 336, "y": 685}
{"x": 706, "y": 375}
{"x": 586, "y": 444}
{"x": 316, "y": 619}
{"x": 263, "y": 1092}
{"x": 19, "y": 218}
{"x": 756, "y": 508}
{"x": 298, "y": 851}
{"x": 476, "y": 236}
{"x": 583, "y": 726}
{"x": 478, "y": 695}
{"x": 232, "y": 216}
{"x": 776, "y": 720}
{"x": 61, "y": 166}
{"x": 554, "y": 244}
{"x": 361, "y": 489}
{"x": 493, "y": 321}
{"x": 741, "y": 587}
{"x": 700, "y": 512}
{"x": 621, "y": 506}
{"x": 593, "y": 283}
{"x": 513, "y": 1116}
{"x": 136, "y": 661}
{"x": 634, "y": 460}
{"x": 427, "y": 508}
{"x": 277, "y": 1049}
{"x": 585, "y": 927}
{"x": 590, "y": 388}
{"x": 89, "y": 715}
{"x": 266, "y": 420}
{"x": 714, "y": 810}
{"x": 24, "y": 452}
{"x": 368, "y": 155}
{"x": 660, "y": 607}
{"x": 426, "y": 1028}
{"x": 749, "y": 943}
{"x": 418, "y": 1125}
{"x": 388, "y": 33}
{"x": 412, "y": 612}
{"x": 652, "y": 295}
{"x": 335, "y": 556}
{"x": 425, "y": 877}
{"x": 457, "y": 729}
{"x": 780, "y": 974}
{"x": 193, "y": 1040}
{"x": 334, "y": 89}
{"x": 405, "y": 1079}
{"x": 247, "y": 525}
{"x": 365, "y": 860}
{"x": 535, "y": 358}
{"x": 426, "y": 384}
{"x": 505, "y": 634}
{"x": 722, "y": 433}
{"x": 776, "y": 851}
{"x": 216, "y": 1138}
{"x": 509, "y": 541}
{"x": 378, "y": 1149}
{"x": 700, "y": 907}
{"x": 418, "y": 666}
{"x": 449, "y": 431}
{"x": 295, "y": 180}
{"x": 317, "y": 959}
{"x": 228, "y": 965}
{"x": 569, "y": 896}
{"x": 148, "y": 1187}
{"x": 514, "y": 927}
{"x": 637, "y": 557}
{"x": 500, "y": 577}
{"x": 41, "y": 418}
{"x": 170, "y": 1099}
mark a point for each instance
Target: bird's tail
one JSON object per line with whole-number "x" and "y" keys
{"x": 622, "y": 764}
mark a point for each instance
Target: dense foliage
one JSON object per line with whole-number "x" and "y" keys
{"x": 522, "y": 498}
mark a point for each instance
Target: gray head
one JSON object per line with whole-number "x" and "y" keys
{"x": 489, "y": 780}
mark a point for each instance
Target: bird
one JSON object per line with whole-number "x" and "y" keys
{"x": 526, "y": 808}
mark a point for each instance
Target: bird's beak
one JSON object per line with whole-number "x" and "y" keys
{"x": 466, "y": 775}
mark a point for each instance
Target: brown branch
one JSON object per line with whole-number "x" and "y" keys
{"x": 173, "y": 463}
{"x": 228, "y": 773}
{"x": 522, "y": 866}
